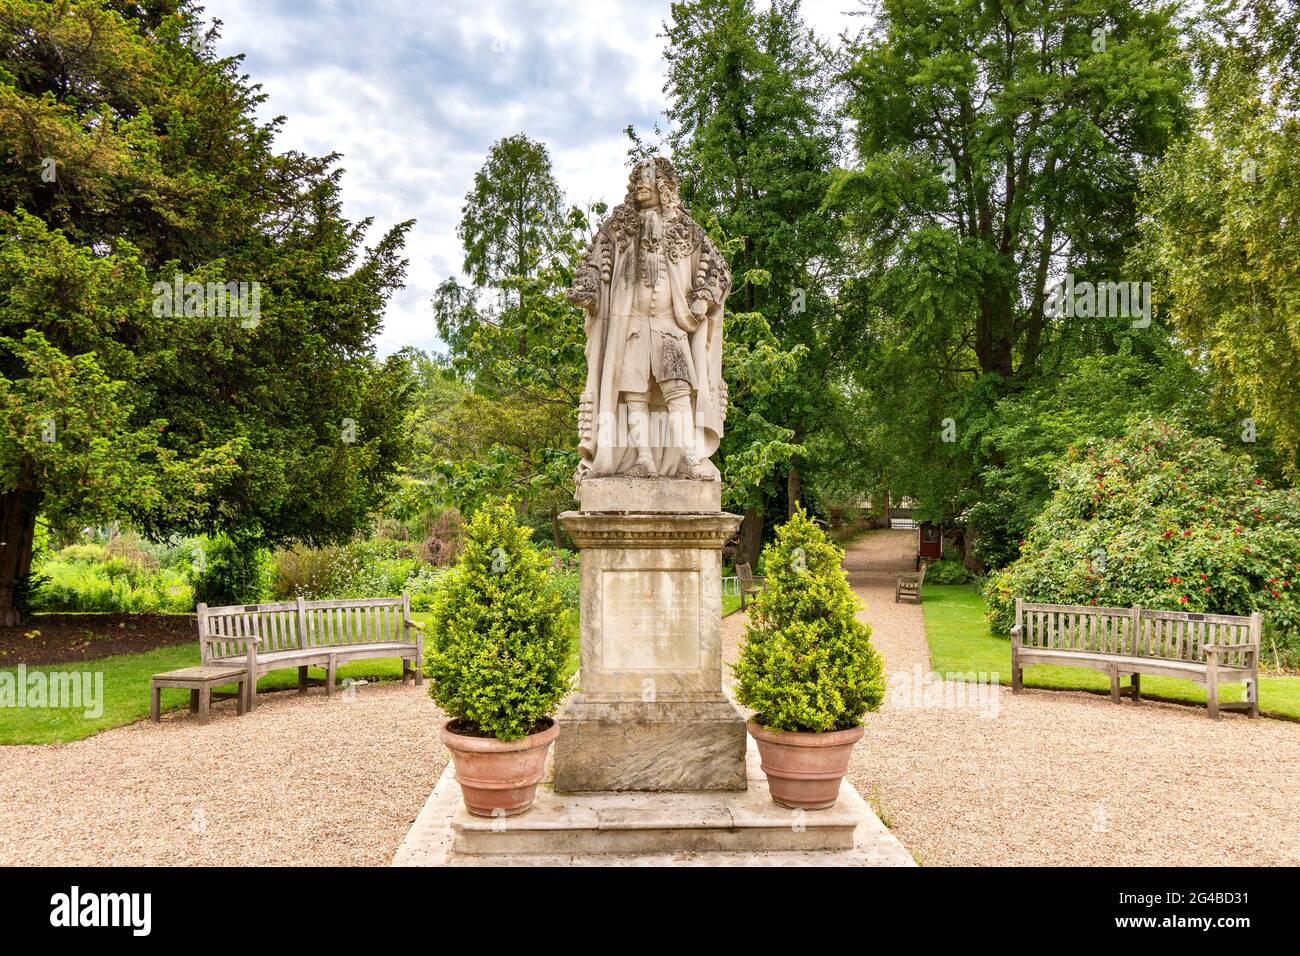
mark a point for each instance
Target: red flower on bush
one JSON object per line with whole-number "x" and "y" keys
{"x": 1169, "y": 534}
{"x": 1183, "y": 599}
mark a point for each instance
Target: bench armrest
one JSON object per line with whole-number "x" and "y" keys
{"x": 1017, "y": 631}
{"x": 223, "y": 639}
{"x": 415, "y": 624}
{"x": 1231, "y": 647}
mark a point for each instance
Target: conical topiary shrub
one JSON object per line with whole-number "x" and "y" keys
{"x": 807, "y": 663}
{"x": 499, "y": 642}
{"x": 500, "y": 636}
{"x": 807, "y": 668}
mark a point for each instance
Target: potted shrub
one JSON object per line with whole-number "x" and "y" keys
{"x": 807, "y": 668}
{"x": 498, "y": 648}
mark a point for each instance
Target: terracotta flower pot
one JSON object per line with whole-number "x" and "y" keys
{"x": 804, "y": 770}
{"x": 497, "y": 776}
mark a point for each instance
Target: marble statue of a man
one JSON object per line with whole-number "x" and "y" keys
{"x": 653, "y": 286}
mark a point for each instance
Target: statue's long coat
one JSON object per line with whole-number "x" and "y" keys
{"x": 696, "y": 270}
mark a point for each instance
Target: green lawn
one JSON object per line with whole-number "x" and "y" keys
{"x": 960, "y": 642}
{"x": 730, "y": 603}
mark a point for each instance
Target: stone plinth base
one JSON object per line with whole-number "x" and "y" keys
{"x": 651, "y": 714}
{"x": 732, "y": 828}
{"x": 650, "y": 745}
{"x": 649, "y": 495}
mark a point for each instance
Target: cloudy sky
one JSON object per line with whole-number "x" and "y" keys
{"x": 414, "y": 93}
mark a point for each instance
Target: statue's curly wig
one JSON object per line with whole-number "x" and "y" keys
{"x": 665, "y": 181}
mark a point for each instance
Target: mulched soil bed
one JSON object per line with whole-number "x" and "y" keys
{"x": 60, "y": 638}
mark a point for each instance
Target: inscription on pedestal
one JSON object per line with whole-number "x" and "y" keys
{"x": 650, "y": 620}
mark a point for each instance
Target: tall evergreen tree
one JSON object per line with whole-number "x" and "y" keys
{"x": 130, "y": 155}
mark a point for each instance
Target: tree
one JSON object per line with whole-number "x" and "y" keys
{"x": 755, "y": 151}
{"x": 513, "y": 340}
{"x": 134, "y": 166}
{"x": 1000, "y": 148}
{"x": 514, "y": 215}
{"x": 1216, "y": 207}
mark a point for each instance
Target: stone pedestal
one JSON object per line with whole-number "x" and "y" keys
{"x": 651, "y": 714}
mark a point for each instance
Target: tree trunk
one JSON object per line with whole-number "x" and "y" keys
{"x": 751, "y": 537}
{"x": 794, "y": 489}
{"x": 18, "y": 510}
{"x": 555, "y": 527}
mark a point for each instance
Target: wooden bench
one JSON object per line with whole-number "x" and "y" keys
{"x": 201, "y": 682}
{"x": 303, "y": 634}
{"x": 749, "y": 585}
{"x": 908, "y": 586}
{"x": 1210, "y": 649}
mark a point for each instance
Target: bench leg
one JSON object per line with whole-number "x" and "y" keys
{"x": 194, "y": 701}
{"x": 302, "y": 680}
{"x": 329, "y": 678}
{"x": 155, "y": 703}
{"x": 1017, "y": 679}
{"x": 1252, "y": 694}
{"x": 1114, "y": 685}
{"x": 1212, "y": 697}
{"x": 406, "y": 671}
{"x": 239, "y": 699}
{"x": 1135, "y": 688}
{"x": 205, "y": 703}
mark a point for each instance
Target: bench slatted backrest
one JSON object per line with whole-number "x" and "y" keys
{"x": 275, "y": 624}
{"x": 293, "y": 625}
{"x": 1171, "y": 635}
{"x": 361, "y": 621}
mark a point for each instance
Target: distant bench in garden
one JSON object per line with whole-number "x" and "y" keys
{"x": 268, "y": 637}
{"x": 1210, "y": 649}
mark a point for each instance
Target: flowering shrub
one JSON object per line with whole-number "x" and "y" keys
{"x": 807, "y": 663}
{"x": 1166, "y": 520}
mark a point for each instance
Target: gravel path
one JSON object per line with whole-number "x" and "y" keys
{"x": 301, "y": 781}
{"x": 1059, "y": 777}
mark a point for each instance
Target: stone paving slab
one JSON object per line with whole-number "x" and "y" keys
{"x": 744, "y": 828}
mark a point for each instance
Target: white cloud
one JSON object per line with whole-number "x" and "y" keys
{"x": 414, "y": 94}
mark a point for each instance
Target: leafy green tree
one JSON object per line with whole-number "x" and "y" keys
{"x": 499, "y": 633}
{"x": 1230, "y": 272}
{"x": 807, "y": 663}
{"x": 1000, "y": 147}
{"x": 514, "y": 216}
{"x": 132, "y": 159}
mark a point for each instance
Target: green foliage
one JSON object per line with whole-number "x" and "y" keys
{"x": 232, "y": 571}
{"x": 947, "y": 572}
{"x": 182, "y": 419}
{"x": 111, "y": 587}
{"x": 499, "y": 633}
{"x": 370, "y": 567}
{"x": 807, "y": 663}
{"x": 1163, "y": 519}
{"x": 514, "y": 216}
{"x": 1229, "y": 271}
